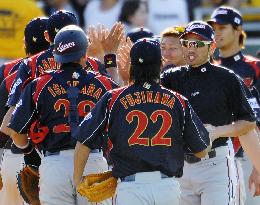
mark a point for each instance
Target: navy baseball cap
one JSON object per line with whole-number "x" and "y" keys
{"x": 70, "y": 44}
{"x": 146, "y": 51}
{"x": 200, "y": 28}
{"x": 34, "y": 35}
{"x": 139, "y": 33}
{"x": 58, "y": 20}
{"x": 226, "y": 15}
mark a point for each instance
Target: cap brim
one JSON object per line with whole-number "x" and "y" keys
{"x": 67, "y": 58}
{"x": 206, "y": 38}
{"x": 218, "y": 21}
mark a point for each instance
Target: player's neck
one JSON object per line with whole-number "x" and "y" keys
{"x": 229, "y": 51}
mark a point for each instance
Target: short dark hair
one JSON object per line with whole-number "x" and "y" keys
{"x": 128, "y": 9}
{"x": 149, "y": 73}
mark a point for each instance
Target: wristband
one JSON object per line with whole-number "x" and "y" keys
{"x": 27, "y": 149}
{"x": 110, "y": 60}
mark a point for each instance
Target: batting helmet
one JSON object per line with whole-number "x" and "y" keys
{"x": 70, "y": 44}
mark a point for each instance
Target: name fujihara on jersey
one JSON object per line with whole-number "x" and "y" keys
{"x": 136, "y": 98}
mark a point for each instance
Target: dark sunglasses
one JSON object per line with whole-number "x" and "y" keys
{"x": 194, "y": 44}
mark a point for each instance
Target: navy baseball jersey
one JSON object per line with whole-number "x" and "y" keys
{"x": 215, "y": 93}
{"x": 46, "y": 99}
{"x": 38, "y": 65}
{"x": 4, "y": 92}
{"x": 9, "y": 74}
{"x": 248, "y": 68}
{"x": 149, "y": 127}
{"x": 7, "y": 68}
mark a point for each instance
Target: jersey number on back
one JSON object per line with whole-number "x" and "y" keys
{"x": 142, "y": 122}
{"x": 65, "y": 103}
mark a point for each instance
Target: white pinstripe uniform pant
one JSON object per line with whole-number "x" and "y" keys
{"x": 211, "y": 181}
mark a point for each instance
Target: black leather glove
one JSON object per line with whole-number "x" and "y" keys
{"x": 32, "y": 159}
{"x": 3, "y": 139}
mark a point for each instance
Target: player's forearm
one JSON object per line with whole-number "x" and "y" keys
{"x": 80, "y": 159}
{"x": 113, "y": 72}
{"x": 240, "y": 127}
{"x": 20, "y": 140}
{"x": 251, "y": 145}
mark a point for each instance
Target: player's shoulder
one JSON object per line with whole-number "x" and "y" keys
{"x": 119, "y": 90}
{"x": 28, "y": 61}
{"x": 13, "y": 62}
{"x": 44, "y": 54}
{"x": 177, "y": 95}
{"x": 222, "y": 70}
{"x": 249, "y": 59}
{"x": 47, "y": 75}
{"x": 174, "y": 71}
{"x": 10, "y": 67}
{"x": 253, "y": 62}
{"x": 106, "y": 81}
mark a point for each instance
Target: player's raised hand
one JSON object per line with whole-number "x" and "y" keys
{"x": 95, "y": 48}
{"x": 123, "y": 56}
{"x": 112, "y": 41}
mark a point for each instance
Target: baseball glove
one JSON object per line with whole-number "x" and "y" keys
{"x": 28, "y": 185}
{"x": 1, "y": 182}
{"x": 98, "y": 187}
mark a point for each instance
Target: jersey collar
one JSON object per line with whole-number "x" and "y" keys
{"x": 200, "y": 69}
{"x": 232, "y": 59}
{"x": 71, "y": 66}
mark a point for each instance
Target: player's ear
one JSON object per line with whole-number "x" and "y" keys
{"x": 46, "y": 36}
{"x": 212, "y": 48}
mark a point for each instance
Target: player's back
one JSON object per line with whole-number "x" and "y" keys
{"x": 52, "y": 103}
{"x": 148, "y": 122}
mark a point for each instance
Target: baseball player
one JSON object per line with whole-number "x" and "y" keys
{"x": 38, "y": 63}
{"x": 218, "y": 98}
{"x": 230, "y": 38}
{"x": 171, "y": 47}
{"x": 124, "y": 50}
{"x": 148, "y": 126}
{"x": 12, "y": 158}
{"x": 59, "y": 100}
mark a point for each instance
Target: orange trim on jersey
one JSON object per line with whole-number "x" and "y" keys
{"x": 9, "y": 80}
{"x": 93, "y": 62}
{"x": 41, "y": 83}
{"x": 115, "y": 93}
{"x": 253, "y": 62}
{"x": 9, "y": 65}
{"x": 104, "y": 81}
{"x": 182, "y": 101}
{"x": 32, "y": 64}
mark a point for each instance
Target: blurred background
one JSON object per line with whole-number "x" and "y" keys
{"x": 153, "y": 14}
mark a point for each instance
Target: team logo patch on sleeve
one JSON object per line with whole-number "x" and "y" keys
{"x": 253, "y": 103}
{"x": 17, "y": 83}
{"x": 17, "y": 106}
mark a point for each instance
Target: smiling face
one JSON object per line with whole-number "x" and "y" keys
{"x": 193, "y": 55}
{"x": 172, "y": 51}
